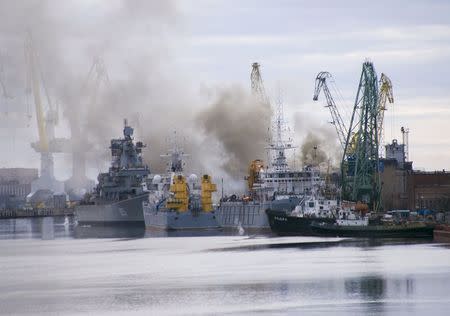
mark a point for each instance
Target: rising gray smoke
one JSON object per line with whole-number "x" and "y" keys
{"x": 136, "y": 40}
{"x": 239, "y": 123}
{"x": 319, "y": 149}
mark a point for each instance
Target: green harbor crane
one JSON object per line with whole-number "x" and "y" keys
{"x": 360, "y": 160}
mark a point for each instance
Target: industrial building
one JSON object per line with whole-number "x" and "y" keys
{"x": 406, "y": 188}
{"x": 429, "y": 190}
{"x": 15, "y": 185}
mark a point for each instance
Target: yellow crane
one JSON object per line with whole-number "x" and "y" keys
{"x": 385, "y": 95}
{"x": 31, "y": 57}
{"x": 46, "y": 120}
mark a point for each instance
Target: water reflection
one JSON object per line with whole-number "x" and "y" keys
{"x": 47, "y": 228}
{"x": 155, "y": 276}
{"x": 369, "y": 288}
{"x": 37, "y": 228}
{"x": 66, "y": 227}
{"x": 109, "y": 232}
{"x": 188, "y": 233}
{"x": 371, "y": 243}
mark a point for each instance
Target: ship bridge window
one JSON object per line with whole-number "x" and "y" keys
{"x": 311, "y": 204}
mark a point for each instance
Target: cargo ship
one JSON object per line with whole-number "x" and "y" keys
{"x": 118, "y": 197}
{"x": 179, "y": 203}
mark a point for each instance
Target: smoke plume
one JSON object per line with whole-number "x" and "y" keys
{"x": 239, "y": 123}
{"x": 137, "y": 42}
{"x": 319, "y": 149}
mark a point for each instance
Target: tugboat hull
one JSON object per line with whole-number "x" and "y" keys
{"x": 376, "y": 231}
{"x": 284, "y": 224}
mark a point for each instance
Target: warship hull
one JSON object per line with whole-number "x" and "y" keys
{"x": 125, "y": 212}
{"x": 284, "y": 224}
{"x": 173, "y": 220}
{"x": 251, "y": 215}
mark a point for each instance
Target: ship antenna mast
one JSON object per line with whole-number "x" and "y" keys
{"x": 280, "y": 144}
{"x": 175, "y": 156}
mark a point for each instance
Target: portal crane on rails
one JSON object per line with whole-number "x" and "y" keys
{"x": 46, "y": 121}
{"x": 78, "y": 183}
{"x": 360, "y": 165}
{"x": 321, "y": 85}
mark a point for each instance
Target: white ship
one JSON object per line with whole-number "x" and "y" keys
{"x": 276, "y": 187}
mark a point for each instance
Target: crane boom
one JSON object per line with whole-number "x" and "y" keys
{"x": 385, "y": 95}
{"x": 321, "y": 84}
{"x": 257, "y": 84}
{"x": 30, "y": 55}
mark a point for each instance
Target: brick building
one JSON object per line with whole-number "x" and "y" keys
{"x": 405, "y": 188}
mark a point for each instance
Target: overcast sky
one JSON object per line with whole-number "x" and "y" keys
{"x": 294, "y": 40}
{"x": 216, "y": 42}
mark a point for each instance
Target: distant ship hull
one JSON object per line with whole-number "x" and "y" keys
{"x": 125, "y": 212}
{"x": 284, "y": 224}
{"x": 374, "y": 231}
{"x": 251, "y": 215}
{"x": 171, "y": 220}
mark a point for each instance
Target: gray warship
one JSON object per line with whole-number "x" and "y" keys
{"x": 118, "y": 197}
{"x": 179, "y": 203}
{"x": 276, "y": 187}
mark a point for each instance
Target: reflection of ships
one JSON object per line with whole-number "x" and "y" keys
{"x": 277, "y": 187}
{"x": 179, "y": 203}
{"x": 118, "y": 197}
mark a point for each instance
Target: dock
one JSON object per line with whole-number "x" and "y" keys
{"x": 6, "y": 214}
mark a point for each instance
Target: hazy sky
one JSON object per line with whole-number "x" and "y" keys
{"x": 215, "y": 42}
{"x": 294, "y": 40}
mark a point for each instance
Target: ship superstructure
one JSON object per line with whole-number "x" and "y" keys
{"x": 275, "y": 187}
{"x": 177, "y": 202}
{"x": 118, "y": 197}
{"x": 279, "y": 179}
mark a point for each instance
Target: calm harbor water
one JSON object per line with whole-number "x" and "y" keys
{"x": 49, "y": 266}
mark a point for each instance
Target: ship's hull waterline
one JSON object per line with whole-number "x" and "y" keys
{"x": 126, "y": 212}
{"x": 251, "y": 215}
{"x": 284, "y": 224}
{"x": 172, "y": 220}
